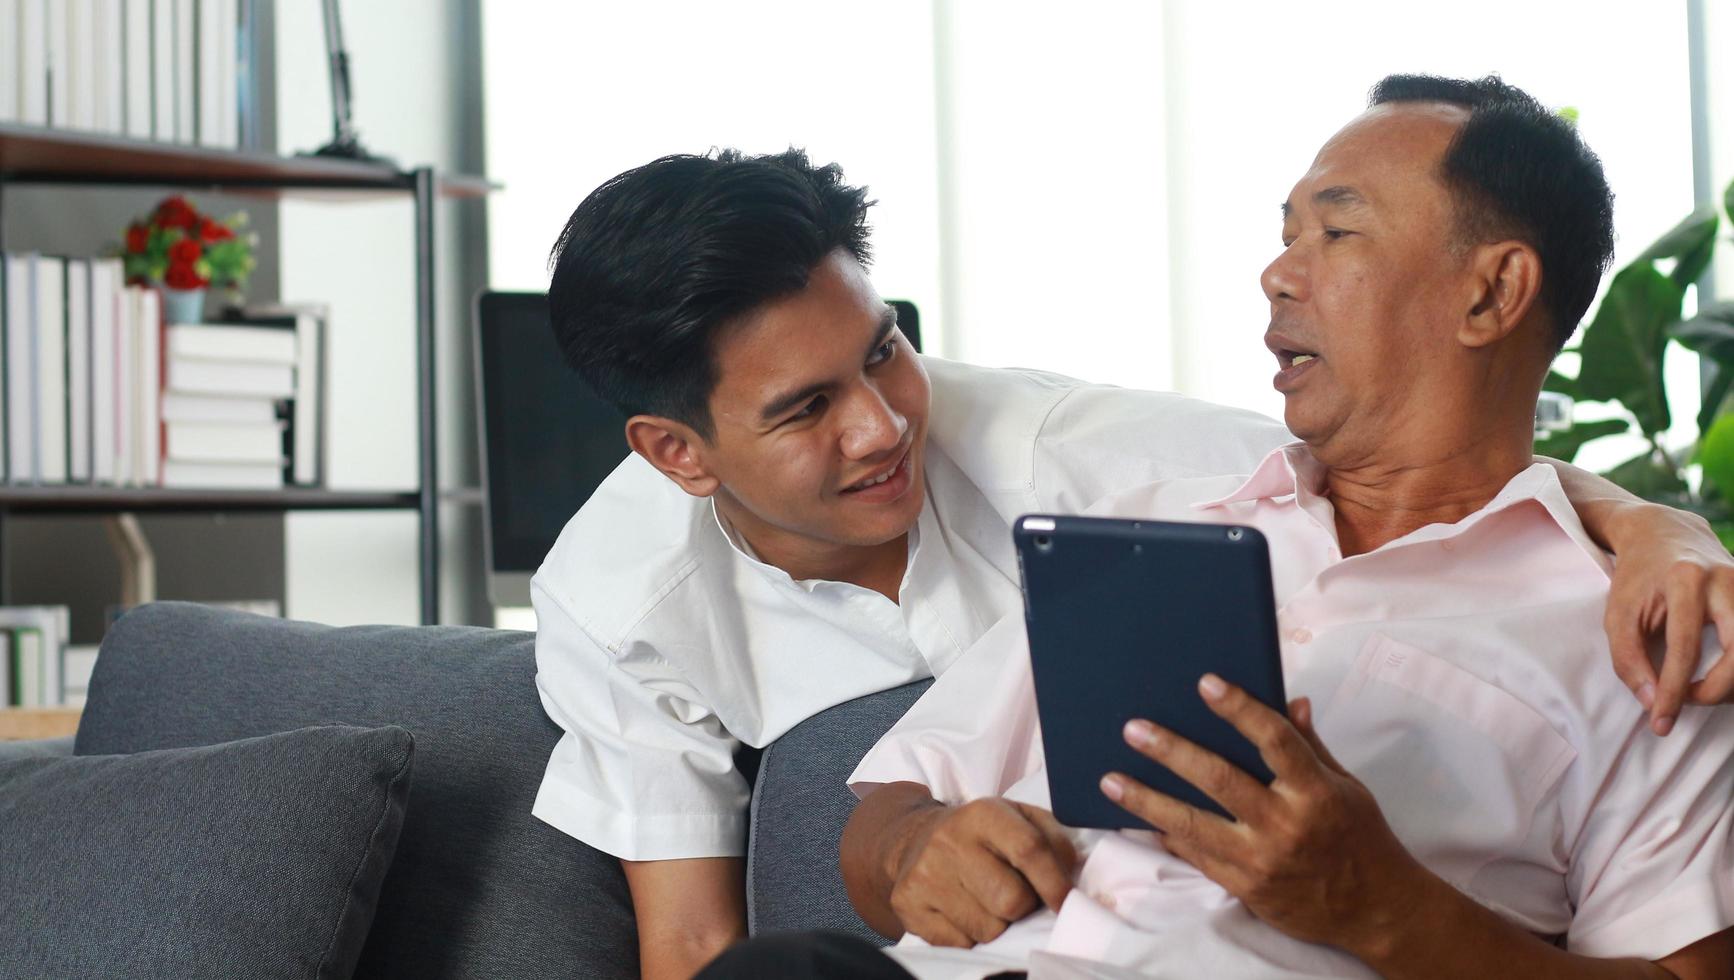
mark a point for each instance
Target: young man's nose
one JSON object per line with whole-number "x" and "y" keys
{"x": 873, "y": 425}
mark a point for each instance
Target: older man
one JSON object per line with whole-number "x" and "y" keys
{"x": 1462, "y": 787}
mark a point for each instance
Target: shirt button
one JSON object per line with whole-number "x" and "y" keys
{"x": 1104, "y": 899}
{"x": 1301, "y": 635}
{"x": 1448, "y": 545}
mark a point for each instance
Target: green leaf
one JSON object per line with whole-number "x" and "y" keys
{"x": 1721, "y": 380}
{"x": 1716, "y": 453}
{"x": 1710, "y": 333}
{"x": 1560, "y": 383}
{"x": 1691, "y": 243}
{"x": 1563, "y": 446}
{"x": 1728, "y": 201}
{"x": 1649, "y": 479}
{"x": 1623, "y": 345}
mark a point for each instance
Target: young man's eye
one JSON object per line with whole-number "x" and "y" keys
{"x": 808, "y": 410}
{"x": 882, "y": 353}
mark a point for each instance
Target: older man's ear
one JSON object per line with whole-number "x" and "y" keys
{"x": 1503, "y": 283}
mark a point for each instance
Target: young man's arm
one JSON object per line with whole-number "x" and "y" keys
{"x": 688, "y": 912}
{"x": 646, "y": 773}
{"x": 1672, "y": 576}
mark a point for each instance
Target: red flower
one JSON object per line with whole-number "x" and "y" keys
{"x": 212, "y": 231}
{"x": 175, "y": 212}
{"x": 186, "y": 251}
{"x": 182, "y": 276}
{"x": 137, "y": 237}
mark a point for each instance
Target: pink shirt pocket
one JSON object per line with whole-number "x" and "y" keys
{"x": 1460, "y": 767}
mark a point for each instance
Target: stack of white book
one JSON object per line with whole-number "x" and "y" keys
{"x": 96, "y": 390}
{"x": 33, "y": 655}
{"x": 222, "y": 388}
{"x": 168, "y": 70}
{"x": 81, "y": 350}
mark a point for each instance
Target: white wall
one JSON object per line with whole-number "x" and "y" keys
{"x": 1102, "y": 190}
{"x": 577, "y": 93}
{"x": 360, "y": 259}
{"x": 1055, "y": 188}
{"x": 1256, "y": 86}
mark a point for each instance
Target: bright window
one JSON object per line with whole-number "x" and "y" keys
{"x": 1090, "y": 188}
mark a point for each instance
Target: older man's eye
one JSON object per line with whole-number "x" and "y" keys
{"x": 1332, "y": 234}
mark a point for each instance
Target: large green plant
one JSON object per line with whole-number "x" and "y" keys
{"x": 1621, "y": 353}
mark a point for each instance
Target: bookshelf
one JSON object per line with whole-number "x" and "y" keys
{"x": 40, "y": 156}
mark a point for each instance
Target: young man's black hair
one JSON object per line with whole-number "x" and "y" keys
{"x": 1520, "y": 171}
{"x": 655, "y": 261}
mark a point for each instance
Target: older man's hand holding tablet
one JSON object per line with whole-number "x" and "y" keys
{"x": 1124, "y": 617}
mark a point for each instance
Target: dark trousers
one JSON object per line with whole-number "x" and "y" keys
{"x": 817, "y": 954}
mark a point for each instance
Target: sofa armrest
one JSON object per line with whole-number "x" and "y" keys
{"x": 800, "y": 803}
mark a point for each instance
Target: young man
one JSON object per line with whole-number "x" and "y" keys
{"x": 1462, "y": 787}
{"x": 812, "y": 513}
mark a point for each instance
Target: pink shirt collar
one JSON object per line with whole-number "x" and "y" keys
{"x": 1291, "y": 471}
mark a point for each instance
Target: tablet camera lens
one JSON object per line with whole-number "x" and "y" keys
{"x": 1234, "y": 534}
{"x": 1044, "y": 543}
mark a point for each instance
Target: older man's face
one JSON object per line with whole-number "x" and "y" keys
{"x": 1367, "y": 291}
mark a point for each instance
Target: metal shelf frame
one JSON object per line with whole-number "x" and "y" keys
{"x": 34, "y": 155}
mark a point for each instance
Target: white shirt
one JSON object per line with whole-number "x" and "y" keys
{"x": 1460, "y": 672}
{"x": 662, "y": 646}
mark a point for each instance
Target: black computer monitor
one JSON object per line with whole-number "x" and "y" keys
{"x": 547, "y": 441}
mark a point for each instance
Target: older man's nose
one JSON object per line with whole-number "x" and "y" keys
{"x": 1283, "y": 277}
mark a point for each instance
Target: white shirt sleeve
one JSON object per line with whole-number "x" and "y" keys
{"x": 1653, "y": 868}
{"x": 645, "y": 771}
{"x": 1101, "y": 440}
{"x": 974, "y": 733}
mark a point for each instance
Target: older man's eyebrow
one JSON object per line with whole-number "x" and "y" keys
{"x": 1340, "y": 196}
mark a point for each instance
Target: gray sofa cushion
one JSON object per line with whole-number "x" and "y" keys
{"x": 256, "y": 858}
{"x": 479, "y": 888}
{"x": 35, "y": 748}
{"x": 800, "y": 804}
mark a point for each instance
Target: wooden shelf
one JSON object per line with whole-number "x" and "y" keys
{"x": 25, "y": 724}
{"x": 110, "y": 500}
{"x": 33, "y": 154}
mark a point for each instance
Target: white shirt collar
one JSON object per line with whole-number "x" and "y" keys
{"x": 744, "y": 550}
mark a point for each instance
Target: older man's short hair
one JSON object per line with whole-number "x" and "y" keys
{"x": 1517, "y": 170}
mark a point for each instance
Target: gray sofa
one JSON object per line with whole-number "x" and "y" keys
{"x": 476, "y": 886}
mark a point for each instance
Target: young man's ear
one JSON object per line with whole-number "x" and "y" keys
{"x": 1505, "y": 282}
{"x": 675, "y": 448}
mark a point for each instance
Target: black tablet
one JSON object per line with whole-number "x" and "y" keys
{"x": 1124, "y": 617}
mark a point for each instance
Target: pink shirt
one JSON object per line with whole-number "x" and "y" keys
{"x": 1461, "y": 672}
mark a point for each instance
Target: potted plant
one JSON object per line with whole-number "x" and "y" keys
{"x": 183, "y": 252}
{"x": 1621, "y": 354}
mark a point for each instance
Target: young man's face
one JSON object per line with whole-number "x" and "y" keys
{"x": 820, "y": 417}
